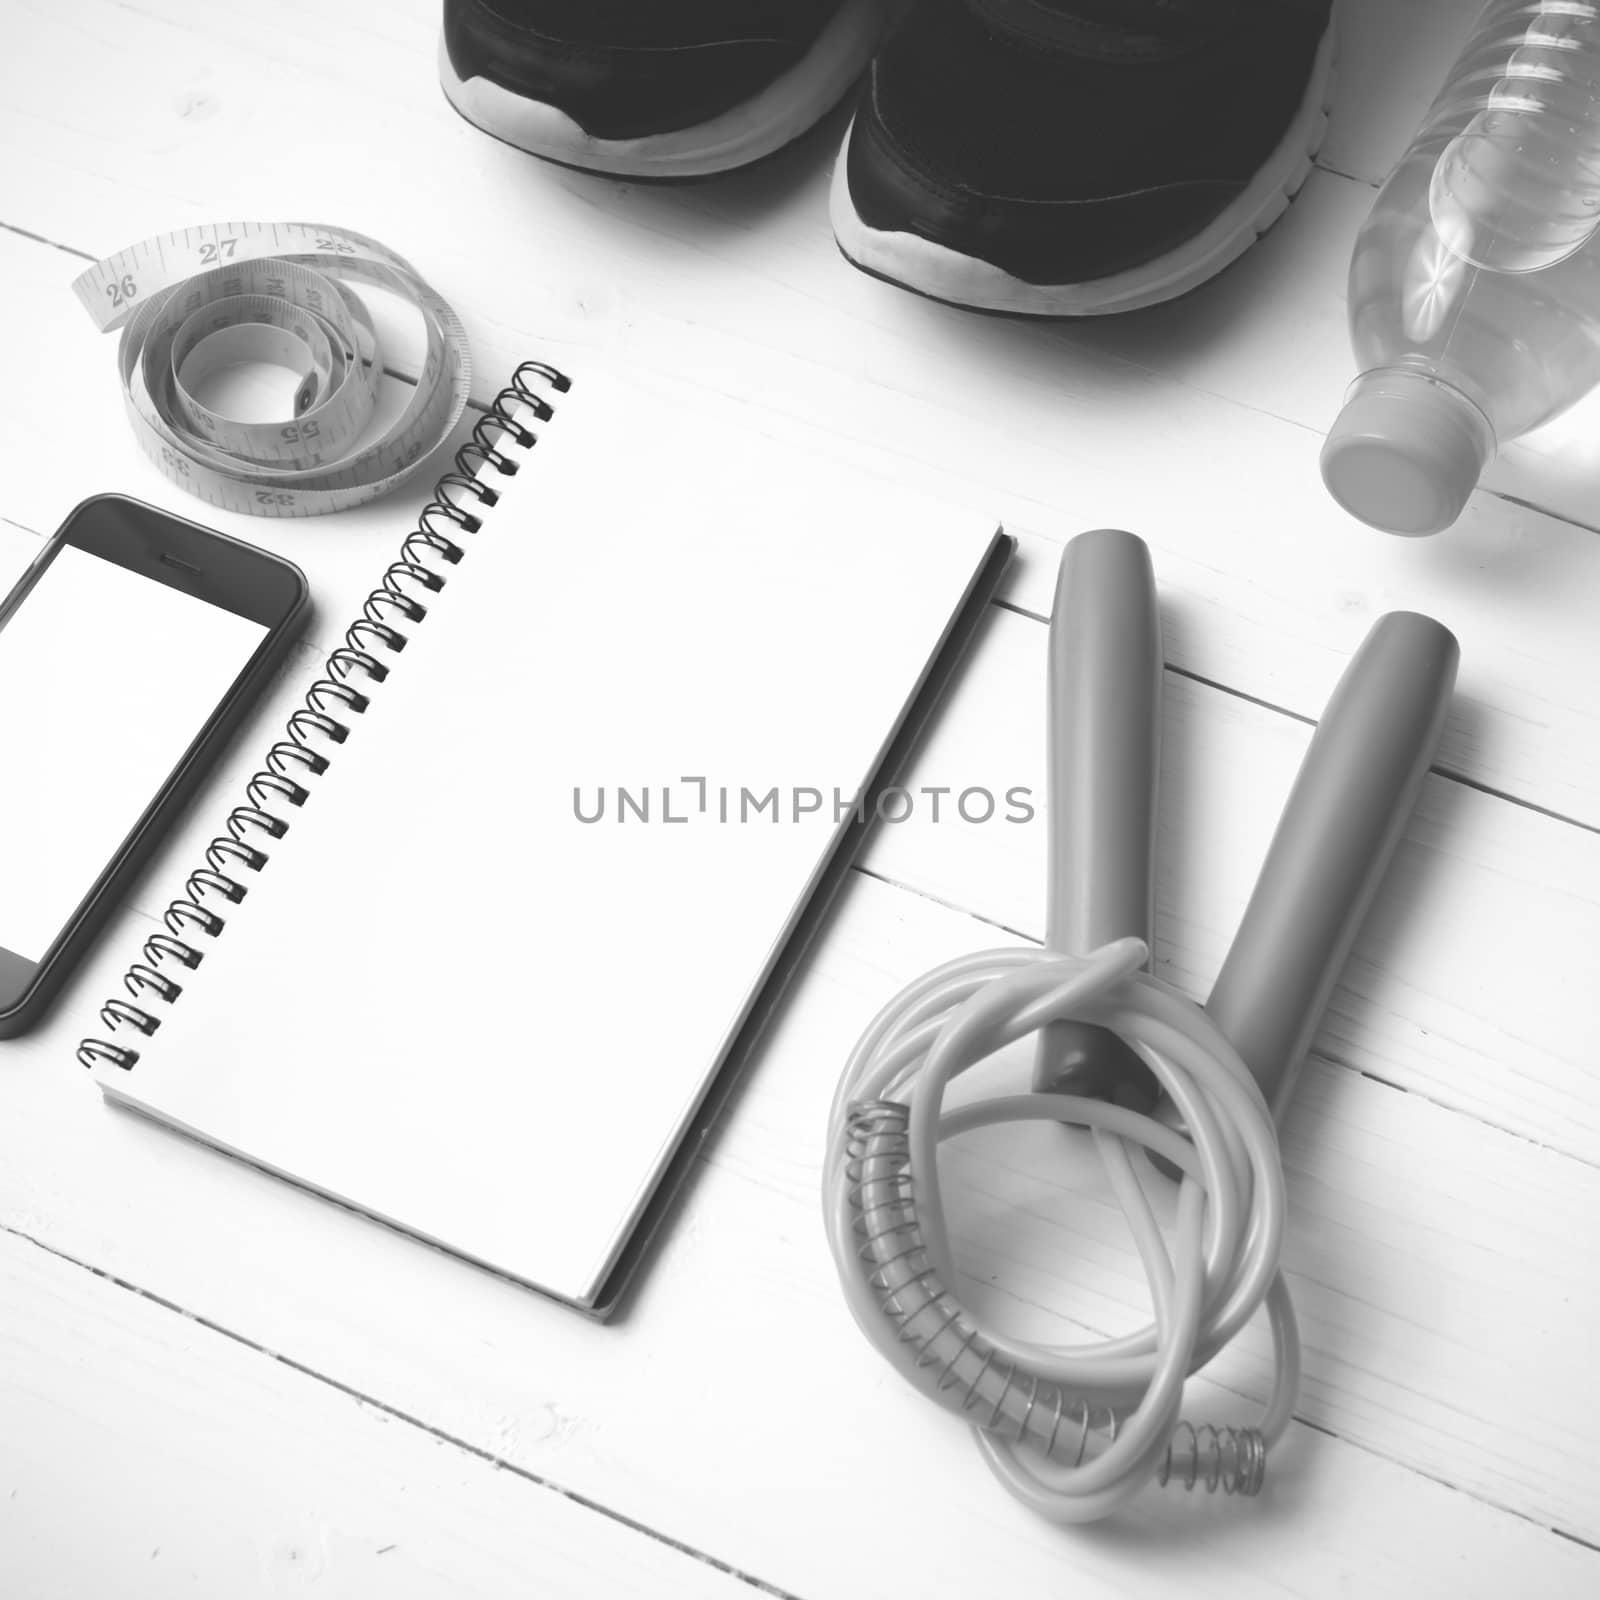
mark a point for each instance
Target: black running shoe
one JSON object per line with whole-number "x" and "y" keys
{"x": 1071, "y": 157}
{"x": 652, "y": 88}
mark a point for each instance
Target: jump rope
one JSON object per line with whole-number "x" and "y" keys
{"x": 1171, "y": 1092}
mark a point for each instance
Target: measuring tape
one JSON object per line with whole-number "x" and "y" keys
{"x": 192, "y": 302}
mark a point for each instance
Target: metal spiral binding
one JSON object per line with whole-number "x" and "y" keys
{"x": 960, "y": 1368}
{"x": 459, "y": 498}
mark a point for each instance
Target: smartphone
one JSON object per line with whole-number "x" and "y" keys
{"x": 129, "y": 652}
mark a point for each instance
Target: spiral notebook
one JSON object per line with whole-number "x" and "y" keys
{"x": 484, "y": 943}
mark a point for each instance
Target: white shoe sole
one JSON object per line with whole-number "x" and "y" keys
{"x": 946, "y": 274}
{"x": 758, "y": 127}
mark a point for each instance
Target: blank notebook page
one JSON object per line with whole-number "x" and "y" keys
{"x": 448, "y": 1001}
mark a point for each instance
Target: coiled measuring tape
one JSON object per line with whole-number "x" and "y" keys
{"x": 191, "y": 302}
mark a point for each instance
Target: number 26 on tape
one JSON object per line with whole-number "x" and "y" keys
{"x": 121, "y": 290}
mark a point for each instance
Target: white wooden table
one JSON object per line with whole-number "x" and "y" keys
{"x": 211, "y": 1384}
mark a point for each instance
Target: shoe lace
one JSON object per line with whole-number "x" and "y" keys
{"x": 1114, "y": 29}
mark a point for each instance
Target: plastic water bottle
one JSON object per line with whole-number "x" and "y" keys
{"x": 1474, "y": 288}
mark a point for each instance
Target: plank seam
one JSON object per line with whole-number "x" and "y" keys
{"x": 1449, "y": 774}
{"x": 1454, "y": 1488}
{"x": 948, "y": 905}
{"x": 1352, "y": 177}
{"x": 501, "y": 1463}
{"x": 1328, "y": 1058}
{"x": 54, "y": 244}
{"x": 1332, "y": 1060}
{"x": 364, "y": 1399}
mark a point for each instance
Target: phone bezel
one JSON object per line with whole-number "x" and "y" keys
{"x": 182, "y": 555}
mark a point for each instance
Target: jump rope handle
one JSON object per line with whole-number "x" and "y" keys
{"x": 1104, "y": 758}
{"x": 1345, "y": 816}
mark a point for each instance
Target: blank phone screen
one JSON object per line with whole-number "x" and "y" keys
{"x": 106, "y": 678}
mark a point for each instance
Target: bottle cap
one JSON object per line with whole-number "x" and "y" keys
{"x": 1406, "y": 452}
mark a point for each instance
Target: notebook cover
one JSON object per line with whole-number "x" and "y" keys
{"x": 476, "y": 992}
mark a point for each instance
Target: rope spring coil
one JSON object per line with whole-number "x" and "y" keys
{"x": 1073, "y": 1431}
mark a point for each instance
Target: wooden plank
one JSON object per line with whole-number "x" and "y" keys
{"x": 1443, "y": 994}
{"x": 1439, "y": 996}
{"x": 148, "y": 1455}
{"x": 1446, "y": 1314}
{"x": 736, "y": 287}
{"x": 184, "y": 1458}
{"x": 1524, "y": 722}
